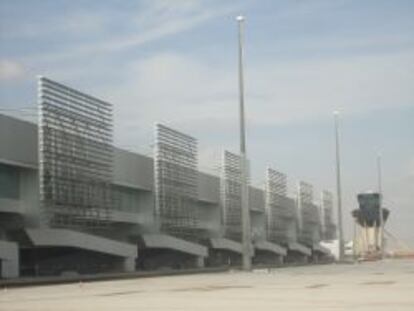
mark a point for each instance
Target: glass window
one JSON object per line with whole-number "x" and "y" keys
{"x": 9, "y": 182}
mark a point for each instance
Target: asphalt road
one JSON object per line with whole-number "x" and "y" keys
{"x": 387, "y": 285}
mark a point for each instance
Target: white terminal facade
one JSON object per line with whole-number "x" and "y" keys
{"x": 71, "y": 201}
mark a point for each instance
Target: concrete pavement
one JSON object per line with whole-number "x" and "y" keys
{"x": 366, "y": 286}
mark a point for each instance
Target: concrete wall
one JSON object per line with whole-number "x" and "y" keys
{"x": 29, "y": 197}
{"x": 256, "y": 199}
{"x": 208, "y": 188}
{"x": 18, "y": 142}
{"x": 133, "y": 170}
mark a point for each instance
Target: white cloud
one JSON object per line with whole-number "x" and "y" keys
{"x": 192, "y": 93}
{"x": 10, "y": 70}
{"x": 199, "y": 98}
{"x": 311, "y": 89}
{"x": 173, "y": 89}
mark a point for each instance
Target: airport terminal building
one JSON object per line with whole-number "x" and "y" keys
{"x": 70, "y": 201}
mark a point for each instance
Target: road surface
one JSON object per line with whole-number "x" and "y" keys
{"x": 387, "y": 285}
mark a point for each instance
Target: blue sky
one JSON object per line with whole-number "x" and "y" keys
{"x": 176, "y": 62}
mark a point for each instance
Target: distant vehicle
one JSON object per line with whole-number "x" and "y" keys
{"x": 349, "y": 248}
{"x": 333, "y": 247}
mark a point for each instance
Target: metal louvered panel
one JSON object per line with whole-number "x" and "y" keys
{"x": 329, "y": 227}
{"x": 280, "y": 210}
{"x": 276, "y": 182}
{"x": 230, "y": 186}
{"x": 305, "y": 193}
{"x": 176, "y": 178}
{"x": 75, "y": 156}
{"x": 310, "y": 222}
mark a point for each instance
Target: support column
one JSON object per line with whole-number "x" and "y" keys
{"x": 200, "y": 262}
{"x": 9, "y": 256}
{"x": 128, "y": 264}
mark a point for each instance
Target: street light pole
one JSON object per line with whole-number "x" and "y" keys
{"x": 338, "y": 188}
{"x": 245, "y": 214}
{"x": 381, "y": 212}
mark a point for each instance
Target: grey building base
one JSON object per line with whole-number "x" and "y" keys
{"x": 9, "y": 256}
{"x": 80, "y": 240}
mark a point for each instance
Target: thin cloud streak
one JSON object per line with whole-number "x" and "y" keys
{"x": 167, "y": 25}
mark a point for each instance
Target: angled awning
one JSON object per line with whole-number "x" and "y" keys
{"x": 319, "y": 248}
{"x": 170, "y": 242}
{"x": 299, "y": 248}
{"x": 127, "y": 217}
{"x": 271, "y": 247}
{"x": 10, "y": 207}
{"x": 81, "y": 240}
{"x": 230, "y": 245}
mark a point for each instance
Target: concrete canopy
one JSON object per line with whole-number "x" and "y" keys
{"x": 299, "y": 248}
{"x": 69, "y": 238}
{"x": 220, "y": 243}
{"x": 320, "y": 249}
{"x": 170, "y": 242}
{"x": 271, "y": 247}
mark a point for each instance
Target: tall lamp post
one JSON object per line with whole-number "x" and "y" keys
{"x": 381, "y": 211}
{"x": 338, "y": 188}
{"x": 245, "y": 214}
